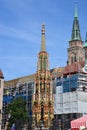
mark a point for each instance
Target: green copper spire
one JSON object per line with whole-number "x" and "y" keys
{"x": 76, "y": 29}
{"x": 85, "y": 44}
{"x": 43, "y": 44}
{"x": 76, "y": 13}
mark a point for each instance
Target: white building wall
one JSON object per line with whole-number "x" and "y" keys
{"x": 70, "y": 102}
{"x": 58, "y": 100}
{"x": 82, "y": 102}
{"x": 82, "y": 107}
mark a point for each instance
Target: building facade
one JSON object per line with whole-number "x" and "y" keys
{"x": 23, "y": 87}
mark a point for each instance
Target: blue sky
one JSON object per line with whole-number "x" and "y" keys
{"x": 20, "y": 33}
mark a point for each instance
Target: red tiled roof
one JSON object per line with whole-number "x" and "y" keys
{"x": 57, "y": 72}
{"x": 1, "y": 74}
{"x": 73, "y": 68}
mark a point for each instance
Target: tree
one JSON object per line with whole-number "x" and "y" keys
{"x": 18, "y": 112}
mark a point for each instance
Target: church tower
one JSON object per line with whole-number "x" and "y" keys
{"x": 75, "y": 50}
{"x": 42, "y": 105}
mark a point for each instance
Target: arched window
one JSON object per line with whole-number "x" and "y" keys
{"x": 74, "y": 58}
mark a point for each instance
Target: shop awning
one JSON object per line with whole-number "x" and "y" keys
{"x": 80, "y": 122}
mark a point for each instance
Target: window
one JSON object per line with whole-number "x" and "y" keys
{"x": 75, "y": 58}
{"x": 73, "y": 89}
{"x": 71, "y": 59}
{"x": 83, "y": 88}
{"x": 74, "y": 115}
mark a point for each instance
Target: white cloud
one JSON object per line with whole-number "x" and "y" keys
{"x": 19, "y": 34}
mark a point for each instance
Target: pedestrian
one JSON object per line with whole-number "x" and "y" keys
{"x": 13, "y": 127}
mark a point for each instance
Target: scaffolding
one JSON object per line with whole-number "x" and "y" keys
{"x": 70, "y": 97}
{"x": 23, "y": 90}
{"x": 82, "y": 81}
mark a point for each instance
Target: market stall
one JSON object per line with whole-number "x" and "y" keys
{"x": 79, "y": 123}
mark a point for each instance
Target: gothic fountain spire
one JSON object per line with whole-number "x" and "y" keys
{"x": 43, "y": 40}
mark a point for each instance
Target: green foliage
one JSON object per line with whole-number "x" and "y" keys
{"x": 17, "y": 110}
